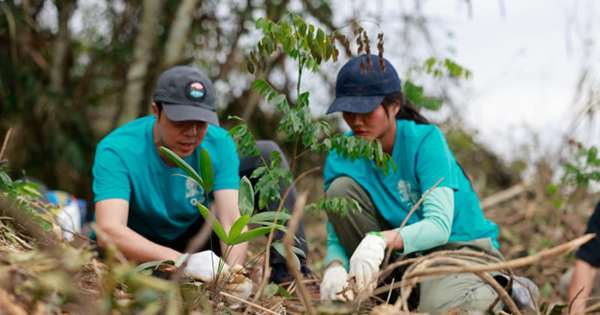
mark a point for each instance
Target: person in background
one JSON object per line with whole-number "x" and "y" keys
{"x": 586, "y": 267}
{"x": 450, "y": 217}
{"x": 148, "y": 213}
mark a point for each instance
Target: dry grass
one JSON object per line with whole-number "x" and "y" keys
{"x": 43, "y": 275}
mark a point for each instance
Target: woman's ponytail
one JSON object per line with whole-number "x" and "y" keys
{"x": 407, "y": 110}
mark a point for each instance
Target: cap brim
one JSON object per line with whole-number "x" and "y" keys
{"x": 355, "y": 104}
{"x": 187, "y": 112}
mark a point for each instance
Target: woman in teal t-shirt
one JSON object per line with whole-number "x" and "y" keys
{"x": 450, "y": 217}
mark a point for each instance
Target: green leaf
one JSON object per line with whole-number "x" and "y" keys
{"x": 299, "y": 252}
{"x": 183, "y": 165}
{"x": 270, "y": 290}
{"x": 250, "y": 66}
{"x": 259, "y": 22}
{"x": 430, "y": 103}
{"x": 246, "y": 197}
{"x": 153, "y": 264}
{"x": 237, "y": 228}
{"x": 217, "y": 227}
{"x": 556, "y": 203}
{"x": 283, "y": 292}
{"x": 557, "y": 309}
{"x": 553, "y": 189}
{"x": 252, "y": 234}
{"x": 547, "y": 290}
{"x": 269, "y": 216}
{"x": 591, "y": 157}
{"x": 206, "y": 170}
{"x": 280, "y": 248}
{"x": 182, "y": 259}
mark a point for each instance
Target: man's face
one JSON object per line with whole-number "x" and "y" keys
{"x": 181, "y": 137}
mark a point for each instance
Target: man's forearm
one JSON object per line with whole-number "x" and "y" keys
{"x": 581, "y": 285}
{"x": 237, "y": 255}
{"x": 136, "y": 247}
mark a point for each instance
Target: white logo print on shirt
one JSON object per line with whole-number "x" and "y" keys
{"x": 406, "y": 194}
{"x": 194, "y": 192}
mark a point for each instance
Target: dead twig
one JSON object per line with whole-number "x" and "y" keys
{"x": 5, "y": 142}
{"x": 504, "y": 195}
{"x": 288, "y": 241}
{"x": 414, "y": 208}
{"x": 515, "y": 263}
{"x": 251, "y": 304}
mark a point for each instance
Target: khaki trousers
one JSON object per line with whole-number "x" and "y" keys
{"x": 464, "y": 291}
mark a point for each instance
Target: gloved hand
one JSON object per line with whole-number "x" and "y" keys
{"x": 238, "y": 284}
{"x": 204, "y": 265}
{"x": 334, "y": 282}
{"x": 364, "y": 263}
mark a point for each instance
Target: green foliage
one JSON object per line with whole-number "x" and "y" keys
{"x": 341, "y": 206}
{"x": 22, "y": 194}
{"x": 271, "y": 289}
{"x": 246, "y": 144}
{"x": 300, "y": 41}
{"x": 246, "y": 197}
{"x": 557, "y": 309}
{"x": 415, "y": 94}
{"x": 446, "y": 67}
{"x": 204, "y": 182}
{"x": 246, "y": 201}
{"x": 584, "y": 168}
{"x": 438, "y": 69}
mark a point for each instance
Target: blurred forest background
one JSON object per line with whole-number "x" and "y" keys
{"x": 72, "y": 71}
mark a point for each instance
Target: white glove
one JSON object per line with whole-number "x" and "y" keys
{"x": 237, "y": 283}
{"x": 364, "y": 263}
{"x": 334, "y": 282}
{"x": 204, "y": 265}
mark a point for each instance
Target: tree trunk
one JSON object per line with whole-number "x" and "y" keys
{"x": 136, "y": 74}
{"x": 179, "y": 33}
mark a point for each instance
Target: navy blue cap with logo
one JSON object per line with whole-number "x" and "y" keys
{"x": 361, "y": 91}
{"x": 186, "y": 94}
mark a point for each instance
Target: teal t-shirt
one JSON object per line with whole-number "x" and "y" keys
{"x": 161, "y": 206}
{"x": 422, "y": 158}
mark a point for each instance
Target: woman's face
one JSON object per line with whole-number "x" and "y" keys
{"x": 374, "y": 125}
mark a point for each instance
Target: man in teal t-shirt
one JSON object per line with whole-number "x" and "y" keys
{"x": 146, "y": 211}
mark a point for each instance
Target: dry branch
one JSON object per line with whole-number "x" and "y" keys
{"x": 515, "y": 263}
{"x": 288, "y": 241}
{"x": 504, "y": 195}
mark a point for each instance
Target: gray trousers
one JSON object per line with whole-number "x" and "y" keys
{"x": 247, "y": 165}
{"x": 464, "y": 291}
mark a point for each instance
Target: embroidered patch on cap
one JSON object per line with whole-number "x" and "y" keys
{"x": 195, "y": 91}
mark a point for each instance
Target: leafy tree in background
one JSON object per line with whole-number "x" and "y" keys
{"x": 70, "y": 72}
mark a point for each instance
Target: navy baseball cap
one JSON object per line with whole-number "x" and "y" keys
{"x": 360, "y": 92}
{"x": 186, "y": 94}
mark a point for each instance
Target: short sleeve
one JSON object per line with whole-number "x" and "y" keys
{"x": 111, "y": 177}
{"x": 590, "y": 251}
{"x": 227, "y": 174}
{"x": 435, "y": 161}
